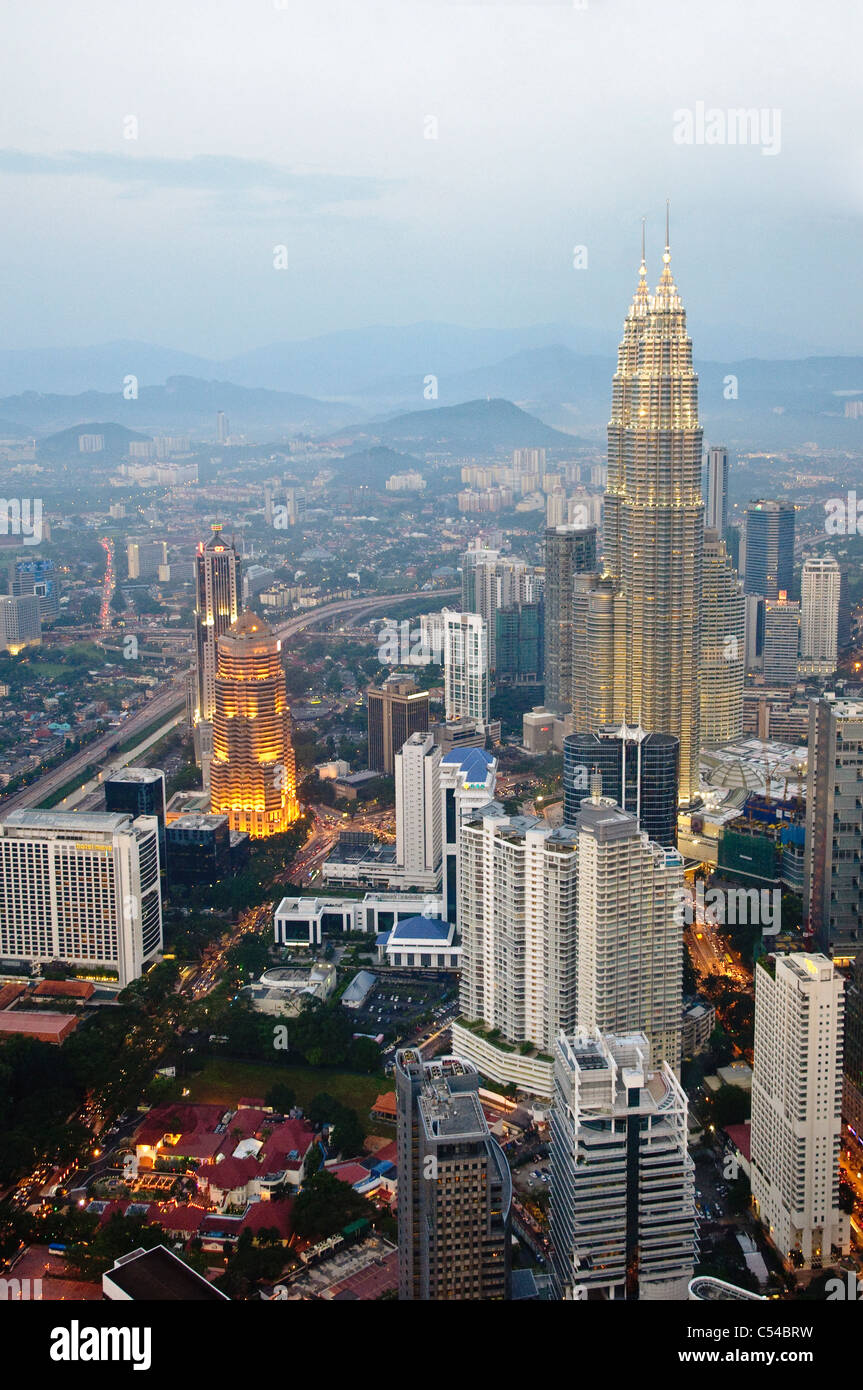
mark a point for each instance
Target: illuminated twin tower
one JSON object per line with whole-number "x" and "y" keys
{"x": 242, "y": 718}
{"x": 637, "y": 624}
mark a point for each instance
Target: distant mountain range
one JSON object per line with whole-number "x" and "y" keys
{"x": 185, "y": 404}
{"x": 345, "y": 381}
{"x": 466, "y": 428}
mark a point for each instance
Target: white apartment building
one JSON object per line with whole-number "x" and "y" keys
{"x": 466, "y": 666}
{"x": 82, "y": 888}
{"x": 820, "y": 586}
{"x": 418, "y": 812}
{"x": 570, "y": 928}
{"x": 630, "y": 931}
{"x": 834, "y": 826}
{"x": 623, "y": 1220}
{"x": 796, "y": 1101}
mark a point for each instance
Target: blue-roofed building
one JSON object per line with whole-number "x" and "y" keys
{"x": 425, "y": 943}
{"x": 467, "y": 782}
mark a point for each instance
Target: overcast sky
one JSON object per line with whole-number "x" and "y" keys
{"x": 302, "y": 123}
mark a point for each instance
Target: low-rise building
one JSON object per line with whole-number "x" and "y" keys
{"x": 426, "y": 943}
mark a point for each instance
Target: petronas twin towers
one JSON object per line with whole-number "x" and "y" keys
{"x": 641, "y": 633}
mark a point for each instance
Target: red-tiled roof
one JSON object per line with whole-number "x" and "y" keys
{"x": 52, "y": 1028}
{"x": 385, "y": 1104}
{"x": 349, "y": 1172}
{"x": 388, "y": 1154}
{"x": 262, "y": 1215}
{"x": 741, "y": 1138}
{"x": 65, "y": 989}
{"x": 9, "y": 993}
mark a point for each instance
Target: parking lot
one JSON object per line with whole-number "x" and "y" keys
{"x": 397, "y": 1006}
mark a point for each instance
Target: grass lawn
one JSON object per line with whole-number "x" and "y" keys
{"x": 224, "y": 1082}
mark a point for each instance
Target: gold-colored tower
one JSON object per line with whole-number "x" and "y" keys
{"x": 253, "y": 774}
{"x": 654, "y": 522}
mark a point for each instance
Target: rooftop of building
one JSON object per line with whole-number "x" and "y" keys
{"x": 158, "y": 1275}
{"x": 93, "y": 822}
{"x": 197, "y": 820}
{"x": 431, "y": 929}
{"x": 142, "y": 775}
{"x": 474, "y": 763}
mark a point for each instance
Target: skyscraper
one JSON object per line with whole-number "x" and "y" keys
{"x": 217, "y": 606}
{"x": 781, "y": 641}
{"x": 81, "y": 887}
{"x": 491, "y": 581}
{"x": 834, "y": 826}
{"x": 769, "y": 548}
{"x": 796, "y": 1108}
{"x": 418, "y": 812}
{"x": 139, "y": 791}
{"x": 144, "y": 558}
{"x": 38, "y": 577}
{"x": 20, "y": 622}
{"x": 467, "y": 780}
{"x": 455, "y": 1189}
{"x": 519, "y": 644}
{"x": 563, "y": 929}
{"x": 820, "y": 592}
{"x": 623, "y": 1220}
{"x": 395, "y": 711}
{"x": 638, "y": 771}
{"x": 466, "y": 672}
{"x": 654, "y": 521}
{"x": 253, "y": 775}
{"x": 723, "y": 645}
{"x": 568, "y": 551}
{"x": 716, "y": 500}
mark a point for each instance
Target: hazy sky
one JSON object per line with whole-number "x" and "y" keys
{"x": 301, "y": 123}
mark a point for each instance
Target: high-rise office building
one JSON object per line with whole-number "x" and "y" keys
{"x": 753, "y": 627}
{"x": 569, "y": 550}
{"x": 20, "y": 622}
{"x": 796, "y": 1108}
{"x": 467, "y": 779}
{"x": 455, "y": 1188}
{"x": 519, "y": 644}
{"x": 491, "y": 581}
{"x": 466, "y": 671}
{"x": 38, "y": 577}
{"x": 716, "y": 499}
{"x": 223, "y": 428}
{"x": 638, "y": 771}
{"x": 139, "y": 791}
{"x": 563, "y": 929}
{"x": 253, "y": 774}
{"x": 723, "y": 645}
{"x": 768, "y": 563}
{"x": 598, "y": 687}
{"x": 820, "y": 594}
{"x": 623, "y": 1222}
{"x": 418, "y": 812}
{"x": 781, "y": 641}
{"x": 82, "y": 888}
{"x": 217, "y": 606}
{"x": 144, "y": 558}
{"x": 852, "y": 1055}
{"x": 654, "y": 522}
{"x": 395, "y": 711}
{"x": 833, "y": 900}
